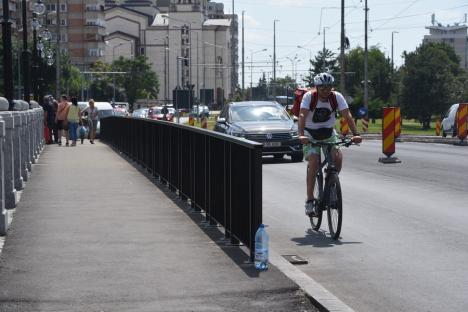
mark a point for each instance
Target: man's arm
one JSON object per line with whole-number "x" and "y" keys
{"x": 349, "y": 118}
{"x": 301, "y": 125}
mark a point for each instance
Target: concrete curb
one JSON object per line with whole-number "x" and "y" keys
{"x": 415, "y": 138}
{"x": 320, "y": 297}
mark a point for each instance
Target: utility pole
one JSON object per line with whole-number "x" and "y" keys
{"x": 366, "y": 78}
{"x": 233, "y": 61}
{"x": 393, "y": 32}
{"x": 274, "y": 58}
{"x": 342, "y": 43}
{"x": 243, "y": 69}
{"x": 274, "y": 49}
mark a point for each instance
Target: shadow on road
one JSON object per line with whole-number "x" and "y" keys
{"x": 319, "y": 239}
{"x": 238, "y": 254}
{"x": 270, "y": 160}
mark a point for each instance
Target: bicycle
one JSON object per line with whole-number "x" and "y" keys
{"x": 328, "y": 197}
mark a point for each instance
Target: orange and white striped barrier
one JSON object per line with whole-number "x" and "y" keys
{"x": 203, "y": 123}
{"x": 437, "y": 127}
{"x": 191, "y": 121}
{"x": 344, "y": 126}
{"x": 462, "y": 115}
{"x": 365, "y": 124}
{"x": 397, "y": 122}
{"x": 388, "y": 136}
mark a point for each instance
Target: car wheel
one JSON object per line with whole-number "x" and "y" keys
{"x": 278, "y": 156}
{"x": 297, "y": 157}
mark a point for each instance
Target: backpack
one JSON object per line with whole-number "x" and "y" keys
{"x": 299, "y": 94}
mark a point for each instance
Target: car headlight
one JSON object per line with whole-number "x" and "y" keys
{"x": 294, "y": 134}
{"x": 238, "y": 134}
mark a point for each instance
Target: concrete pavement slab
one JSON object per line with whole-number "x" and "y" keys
{"x": 92, "y": 233}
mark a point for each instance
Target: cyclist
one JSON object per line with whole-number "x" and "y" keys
{"x": 318, "y": 125}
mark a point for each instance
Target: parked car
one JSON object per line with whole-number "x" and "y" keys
{"x": 105, "y": 110}
{"x": 200, "y": 111}
{"x": 140, "y": 113}
{"x": 449, "y": 122}
{"x": 120, "y": 111}
{"x": 156, "y": 113}
{"x": 264, "y": 122}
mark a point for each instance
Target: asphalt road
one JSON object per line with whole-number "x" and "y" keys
{"x": 404, "y": 244}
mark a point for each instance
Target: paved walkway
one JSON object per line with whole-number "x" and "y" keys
{"x": 93, "y": 233}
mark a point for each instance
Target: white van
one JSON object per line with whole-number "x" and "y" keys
{"x": 105, "y": 109}
{"x": 448, "y": 123}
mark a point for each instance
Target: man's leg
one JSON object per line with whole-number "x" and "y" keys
{"x": 338, "y": 159}
{"x": 311, "y": 173}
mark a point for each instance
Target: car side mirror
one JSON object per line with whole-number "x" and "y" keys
{"x": 221, "y": 120}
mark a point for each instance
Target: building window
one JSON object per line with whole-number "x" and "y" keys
{"x": 63, "y": 22}
{"x": 63, "y": 7}
{"x": 93, "y": 52}
{"x": 50, "y": 7}
{"x": 142, "y": 51}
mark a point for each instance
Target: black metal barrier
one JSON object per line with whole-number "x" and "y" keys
{"x": 219, "y": 174}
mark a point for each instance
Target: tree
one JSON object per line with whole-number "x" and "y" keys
{"x": 140, "y": 81}
{"x": 101, "y": 86}
{"x": 325, "y": 61}
{"x": 431, "y": 81}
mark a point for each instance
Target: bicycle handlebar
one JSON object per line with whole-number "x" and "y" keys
{"x": 344, "y": 142}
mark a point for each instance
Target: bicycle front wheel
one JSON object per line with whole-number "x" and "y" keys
{"x": 334, "y": 206}
{"x": 316, "y": 220}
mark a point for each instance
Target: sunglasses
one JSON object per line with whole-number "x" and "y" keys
{"x": 324, "y": 88}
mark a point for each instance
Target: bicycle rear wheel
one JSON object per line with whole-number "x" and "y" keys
{"x": 316, "y": 220}
{"x": 334, "y": 206}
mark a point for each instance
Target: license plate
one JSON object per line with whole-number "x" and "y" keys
{"x": 271, "y": 144}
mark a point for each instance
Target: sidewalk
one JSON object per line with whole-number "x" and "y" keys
{"x": 93, "y": 233}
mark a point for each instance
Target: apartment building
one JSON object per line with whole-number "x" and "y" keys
{"x": 455, "y": 36}
{"x": 188, "y": 42}
{"x": 81, "y": 29}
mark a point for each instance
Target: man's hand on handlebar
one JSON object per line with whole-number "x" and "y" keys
{"x": 304, "y": 139}
{"x": 356, "y": 139}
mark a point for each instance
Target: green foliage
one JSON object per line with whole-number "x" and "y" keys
{"x": 325, "y": 61}
{"x": 101, "y": 86}
{"x": 431, "y": 81}
{"x": 379, "y": 74}
{"x": 140, "y": 81}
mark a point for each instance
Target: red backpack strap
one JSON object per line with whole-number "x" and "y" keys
{"x": 333, "y": 101}
{"x": 313, "y": 100}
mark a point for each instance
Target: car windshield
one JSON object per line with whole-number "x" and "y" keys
{"x": 258, "y": 113}
{"x": 105, "y": 113}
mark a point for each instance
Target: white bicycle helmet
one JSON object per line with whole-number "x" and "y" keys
{"x": 324, "y": 79}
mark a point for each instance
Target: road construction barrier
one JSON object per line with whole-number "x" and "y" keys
{"x": 437, "y": 127}
{"x": 344, "y": 126}
{"x": 462, "y": 115}
{"x": 203, "y": 123}
{"x": 191, "y": 121}
{"x": 365, "y": 124}
{"x": 397, "y": 122}
{"x": 388, "y": 136}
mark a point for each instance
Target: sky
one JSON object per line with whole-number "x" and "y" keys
{"x": 300, "y": 21}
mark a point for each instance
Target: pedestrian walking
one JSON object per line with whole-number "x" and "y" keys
{"x": 74, "y": 118}
{"x": 93, "y": 118}
{"x": 61, "y": 119}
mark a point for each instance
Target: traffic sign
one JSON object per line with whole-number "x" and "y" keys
{"x": 362, "y": 111}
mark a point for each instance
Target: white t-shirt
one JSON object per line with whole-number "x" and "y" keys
{"x": 325, "y": 107}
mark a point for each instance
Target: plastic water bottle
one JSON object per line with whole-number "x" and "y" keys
{"x": 261, "y": 248}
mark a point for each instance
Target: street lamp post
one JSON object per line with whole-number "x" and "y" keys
{"x": 310, "y": 55}
{"x": 36, "y": 25}
{"x": 25, "y": 54}
{"x": 251, "y": 69}
{"x": 7, "y": 55}
{"x": 113, "y": 74}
